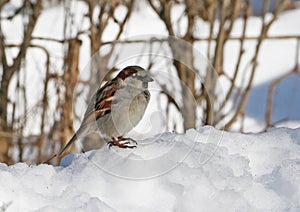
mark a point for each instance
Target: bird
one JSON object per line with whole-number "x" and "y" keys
{"x": 116, "y": 108}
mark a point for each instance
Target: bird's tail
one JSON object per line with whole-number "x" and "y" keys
{"x": 71, "y": 141}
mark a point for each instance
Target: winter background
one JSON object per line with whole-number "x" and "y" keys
{"x": 203, "y": 169}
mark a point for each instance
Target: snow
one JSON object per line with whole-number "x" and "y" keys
{"x": 201, "y": 170}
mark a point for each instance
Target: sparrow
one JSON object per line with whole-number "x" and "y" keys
{"x": 116, "y": 108}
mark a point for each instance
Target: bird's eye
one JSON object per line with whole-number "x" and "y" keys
{"x": 134, "y": 75}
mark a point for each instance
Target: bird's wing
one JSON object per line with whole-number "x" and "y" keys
{"x": 100, "y": 103}
{"x": 99, "y": 106}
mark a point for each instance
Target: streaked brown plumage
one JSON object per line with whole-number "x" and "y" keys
{"x": 124, "y": 98}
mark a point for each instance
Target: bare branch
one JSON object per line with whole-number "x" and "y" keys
{"x": 265, "y": 28}
{"x": 276, "y": 82}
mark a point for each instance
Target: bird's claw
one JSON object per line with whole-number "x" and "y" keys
{"x": 122, "y": 143}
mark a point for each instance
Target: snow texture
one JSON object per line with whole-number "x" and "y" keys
{"x": 202, "y": 170}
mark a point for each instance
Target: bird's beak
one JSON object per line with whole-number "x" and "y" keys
{"x": 147, "y": 78}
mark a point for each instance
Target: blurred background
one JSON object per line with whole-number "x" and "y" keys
{"x": 238, "y": 65}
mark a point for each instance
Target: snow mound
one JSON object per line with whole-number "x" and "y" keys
{"x": 202, "y": 170}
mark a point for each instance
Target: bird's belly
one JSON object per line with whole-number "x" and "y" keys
{"x": 125, "y": 115}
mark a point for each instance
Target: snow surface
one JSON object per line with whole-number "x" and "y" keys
{"x": 202, "y": 170}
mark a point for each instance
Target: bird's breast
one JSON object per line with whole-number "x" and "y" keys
{"x": 129, "y": 107}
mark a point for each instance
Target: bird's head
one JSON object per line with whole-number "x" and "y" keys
{"x": 135, "y": 76}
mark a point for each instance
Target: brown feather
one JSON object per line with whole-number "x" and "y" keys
{"x": 126, "y": 72}
{"x": 104, "y": 96}
{"x": 102, "y": 102}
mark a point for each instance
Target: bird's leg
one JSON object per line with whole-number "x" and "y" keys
{"x": 118, "y": 142}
